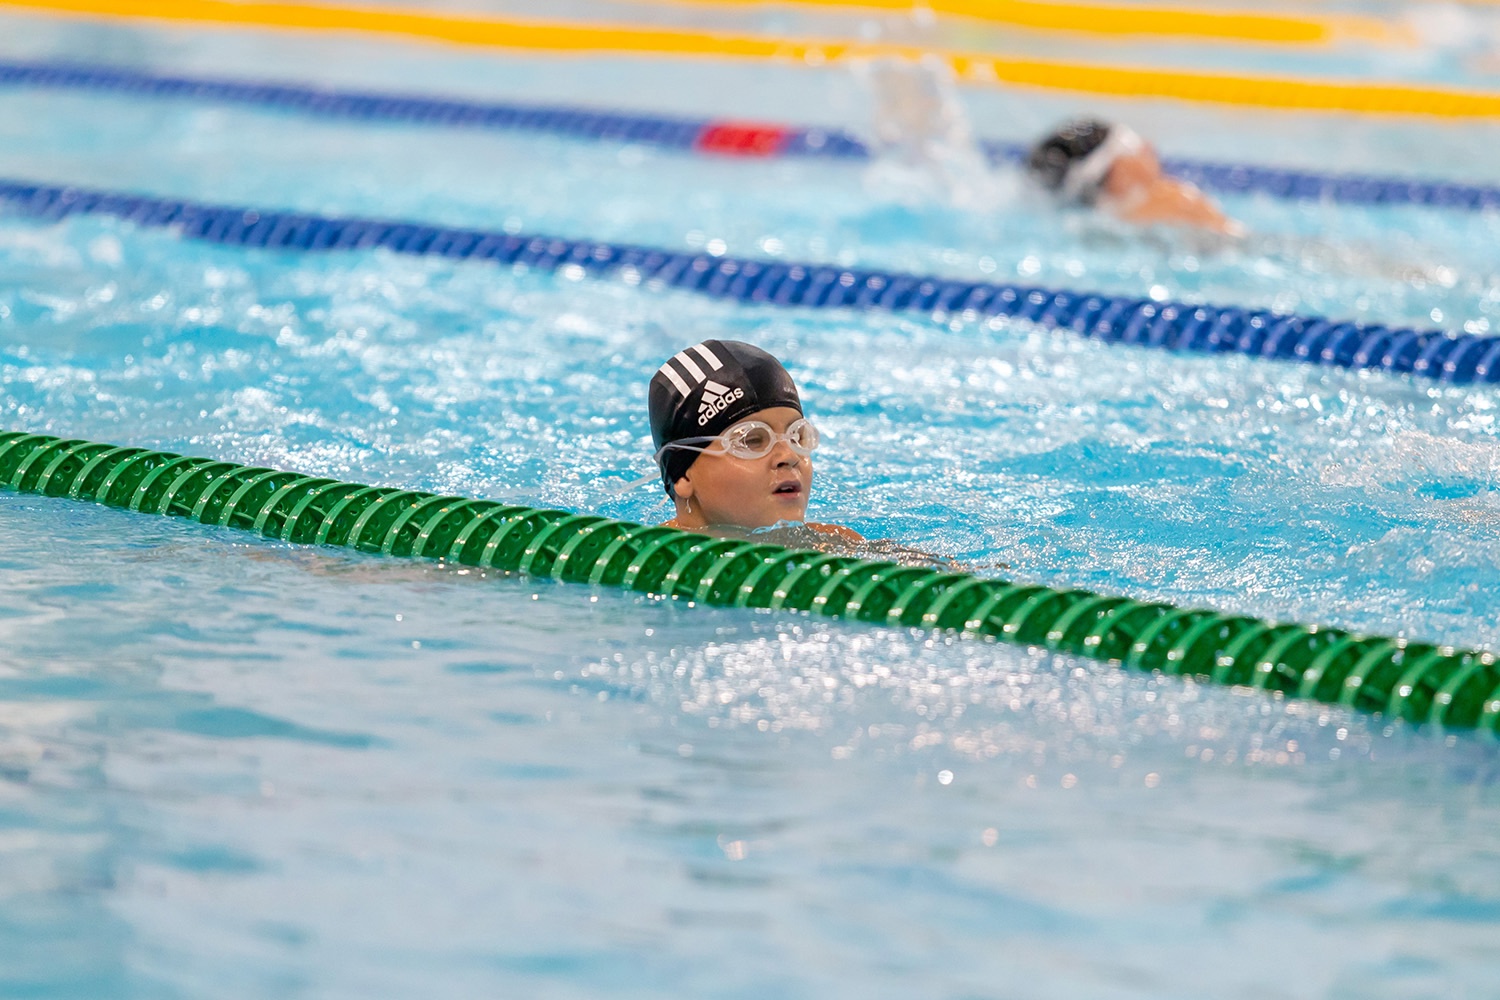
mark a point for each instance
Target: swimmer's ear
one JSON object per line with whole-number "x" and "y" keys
{"x": 683, "y": 488}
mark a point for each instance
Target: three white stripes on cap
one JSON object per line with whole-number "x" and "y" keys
{"x": 690, "y": 366}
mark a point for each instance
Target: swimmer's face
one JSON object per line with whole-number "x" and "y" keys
{"x": 721, "y": 489}
{"x": 1133, "y": 172}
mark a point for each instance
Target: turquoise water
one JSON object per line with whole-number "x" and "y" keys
{"x": 235, "y": 768}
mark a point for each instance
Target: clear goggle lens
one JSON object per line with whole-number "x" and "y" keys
{"x": 755, "y": 438}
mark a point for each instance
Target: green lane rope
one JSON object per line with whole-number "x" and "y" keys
{"x": 1419, "y": 682}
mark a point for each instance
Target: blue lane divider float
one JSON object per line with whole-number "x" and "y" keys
{"x": 702, "y": 135}
{"x": 1435, "y": 354}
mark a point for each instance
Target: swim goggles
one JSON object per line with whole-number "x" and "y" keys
{"x": 750, "y": 439}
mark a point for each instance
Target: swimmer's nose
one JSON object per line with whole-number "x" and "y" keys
{"x": 785, "y": 455}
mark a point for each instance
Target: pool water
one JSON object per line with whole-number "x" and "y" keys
{"x": 237, "y": 768}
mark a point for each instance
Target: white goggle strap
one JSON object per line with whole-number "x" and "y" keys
{"x": 636, "y": 484}
{"x": 656, "y": 477}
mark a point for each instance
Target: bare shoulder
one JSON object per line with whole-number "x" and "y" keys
{"x": 837, "y": 531}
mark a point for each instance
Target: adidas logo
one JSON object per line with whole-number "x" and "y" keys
{"x": 716, "y": 398}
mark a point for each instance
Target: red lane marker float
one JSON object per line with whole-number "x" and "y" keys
{"x": 741, "y": 139}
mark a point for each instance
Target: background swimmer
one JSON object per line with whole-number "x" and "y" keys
{"x": 924, "y": 147}
{"x": 1088, "y": 162}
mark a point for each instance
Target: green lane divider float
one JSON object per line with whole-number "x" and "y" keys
{"x": 1416, "y": 681}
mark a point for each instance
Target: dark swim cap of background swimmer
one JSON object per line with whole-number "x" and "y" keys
{"x": 1054, "y": 157}
{"x": 707, "y": 389}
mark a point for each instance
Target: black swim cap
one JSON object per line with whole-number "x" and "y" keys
{"x": 707, "y": 389}
{"x": 1054, "y": 157}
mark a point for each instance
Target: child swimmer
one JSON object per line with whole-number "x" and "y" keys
{"x": 734, "y": 452}
{"x": 732, "y": 445}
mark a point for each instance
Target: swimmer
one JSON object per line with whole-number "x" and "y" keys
{"x": 734, "y": 453}
{"x": 1089, "y": 162}
{"x": 732, "y": 445}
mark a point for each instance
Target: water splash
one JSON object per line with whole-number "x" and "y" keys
{"x": 923, "y": 146}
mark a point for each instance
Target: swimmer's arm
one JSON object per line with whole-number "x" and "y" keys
{"x": 1172, "y": 201}
{"x": 837, "y": 531}
{"x": 878, "y": 548}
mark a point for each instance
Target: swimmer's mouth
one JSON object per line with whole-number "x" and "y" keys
{"x": 788, "y": 489}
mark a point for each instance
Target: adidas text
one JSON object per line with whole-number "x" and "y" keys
{"x": 713, "y": 405}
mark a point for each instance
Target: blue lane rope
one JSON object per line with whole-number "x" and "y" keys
{"x": 1445, "y": 357}
{"x": 690, "y": 133}
{"x": 578, "y": 123}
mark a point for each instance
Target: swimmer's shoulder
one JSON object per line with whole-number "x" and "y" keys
{"x": 837, "y": 531}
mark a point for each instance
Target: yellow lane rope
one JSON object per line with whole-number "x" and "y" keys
{"x": 540, "y": 36}
{"x": 1114, "y": 19}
